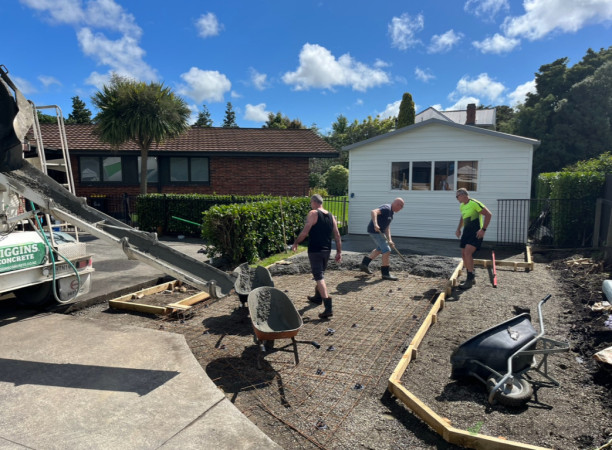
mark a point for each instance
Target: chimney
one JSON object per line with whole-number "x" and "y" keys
{"x": 471, "y": 114}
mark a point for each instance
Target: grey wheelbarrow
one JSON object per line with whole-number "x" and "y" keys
{"x": 501, "y": 356}
{"x": 273, "y": 316}
{"x": 248, "y": 279}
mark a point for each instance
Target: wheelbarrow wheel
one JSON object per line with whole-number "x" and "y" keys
{"x": 517, "y": 396}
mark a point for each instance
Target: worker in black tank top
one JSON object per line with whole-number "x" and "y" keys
{"x": 319, "y": 228}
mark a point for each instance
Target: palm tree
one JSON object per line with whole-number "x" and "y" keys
{"x": 135, "y": 111}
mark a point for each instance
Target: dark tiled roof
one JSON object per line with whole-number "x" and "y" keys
{"x": 213, "y": 140}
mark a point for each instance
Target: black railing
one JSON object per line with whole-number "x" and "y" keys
{"x": 560, "y": 223}
{"x": 338, "y": 206}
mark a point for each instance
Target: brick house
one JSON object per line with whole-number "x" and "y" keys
{"x": 241, "y": 161}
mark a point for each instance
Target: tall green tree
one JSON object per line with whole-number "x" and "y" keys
{"x": 504, "y": 119}
{"x": 569, "y": 112}
{"x": 406, "y": 111}
{"x": 143, "y": 113}
{"x": 204, "y": 119}
{"x": 282, "y": 122}
{"x": 230, "y": 117}
{"x": 80, "y": 113}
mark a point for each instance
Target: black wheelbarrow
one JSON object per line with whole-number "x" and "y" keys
{"x": 248, "y": 279}
{"x": 273, "y": 316}
{"x": 503, "y": 354}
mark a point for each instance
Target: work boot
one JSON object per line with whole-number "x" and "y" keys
{"x": 468, "y": 283}
{"x": 364, "y": 265}
{"x": 386, "y": 275}
{"x": 327, "y": 313}
{"x": 316, "y": 298}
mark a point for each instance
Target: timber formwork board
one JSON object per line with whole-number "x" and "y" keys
{"x": 439, "y": 424}
{"x": 130, "y": 301}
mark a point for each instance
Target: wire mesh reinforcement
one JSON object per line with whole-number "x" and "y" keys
{"x": 320, "y": 402}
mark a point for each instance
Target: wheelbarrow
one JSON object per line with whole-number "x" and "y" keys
{"x": 501, "y": 356}
{"x": 248, "y": 279}
{"x": 273, "y": 316}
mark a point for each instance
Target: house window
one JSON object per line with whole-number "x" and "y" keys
{"x": 152, "y": 172}
{"x": 434, "y": 175}
{"x": 100, "y": 168}
{"x": 189, "y": 169}
{"x": 467, "y": 175}
{"x": 444, "y": 176}
{"x": 400, "y": 175}
{"x": 421, "y": 176}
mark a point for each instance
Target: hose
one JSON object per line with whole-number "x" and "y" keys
{"x": 53, "y": 263}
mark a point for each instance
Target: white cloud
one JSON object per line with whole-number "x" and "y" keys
{"x": 392, "y": 110}
{"x": 259, "y": 80}
{"x": 444, "y": 42}
{"x": 545, "y": 16}
{"x": 194, "y": 113}
{"x": 235, "y": 94}
{"x": 496, "y": 44}
{"x": 486, "y": 9}
{"x": 423, "y": 75}
{"x": 204, "y": 85}
{"x": 520, "y": 93}
{"x": 380, "y": 63}
{"x": 256, "y": 113}
{"x": 208, "y": 25}
{"x": 48, "y": 80}
{"x": 123, "y": 56}
{"x": 462, "y": 103}
{"x": 320, "y": 69}
{"x": 98, "y": 80}
{"x": 23, "y": 85}
{"x": 403, "y": 29}
{"x": 483, "y": 86}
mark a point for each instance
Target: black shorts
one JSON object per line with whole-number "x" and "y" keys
{"x": 469, "y": 238}
{"x": 318, "y": 263}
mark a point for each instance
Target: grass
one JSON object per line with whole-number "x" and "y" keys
{"x": 279, "y": 257}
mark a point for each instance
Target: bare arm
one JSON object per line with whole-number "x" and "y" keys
{"x": 375, "y": 213}
{"x": 487, "y": 219}
{"x": 311, "y": 220}
{"x": 338, "y": 240}
{"x": 459, "y": 227}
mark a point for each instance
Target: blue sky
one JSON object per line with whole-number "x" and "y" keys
{"x": 311, "y": 60}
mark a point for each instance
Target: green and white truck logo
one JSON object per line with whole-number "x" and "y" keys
{"x": 21, "y": 256}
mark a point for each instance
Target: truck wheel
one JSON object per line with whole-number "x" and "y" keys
{"x": 37, "y": 295}
{"x": 517, "y": 396}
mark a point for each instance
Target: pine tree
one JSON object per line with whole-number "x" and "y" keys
{"x": 230, "y": 117}
{"x": 204, "y": 119}
{"x": 406, "y": 111}
{"x": 80, "y": 113}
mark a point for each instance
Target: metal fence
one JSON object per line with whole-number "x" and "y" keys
{"x": 338, "y": 206}
{"x": 559, "y": 223}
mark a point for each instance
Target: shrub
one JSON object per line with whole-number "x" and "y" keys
{"x": 251, "y": 231}
{"x": 337, "y": 180}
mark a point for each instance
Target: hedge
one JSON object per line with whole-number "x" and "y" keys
{"x": 251, "y": 231}
{"x": 572, "y": 226}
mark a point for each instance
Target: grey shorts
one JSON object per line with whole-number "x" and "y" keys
{"x": 318, "y": 263}
{"x": 381, "y": 242}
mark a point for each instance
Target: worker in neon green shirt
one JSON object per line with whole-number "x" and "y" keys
{"x": 475, "y": 218}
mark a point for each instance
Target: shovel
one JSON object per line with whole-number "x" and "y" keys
{"x": 393, "y": 246}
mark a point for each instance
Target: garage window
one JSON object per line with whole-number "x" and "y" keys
{"x": 434, "y": 175}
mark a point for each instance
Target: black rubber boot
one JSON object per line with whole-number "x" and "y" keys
{"x": 316, "y": 298}
{"x": 327, "y": 313}
{"x": 469, "y": 281}
{"x": 386, "y": 275}
{"x": 364, "y": 265}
